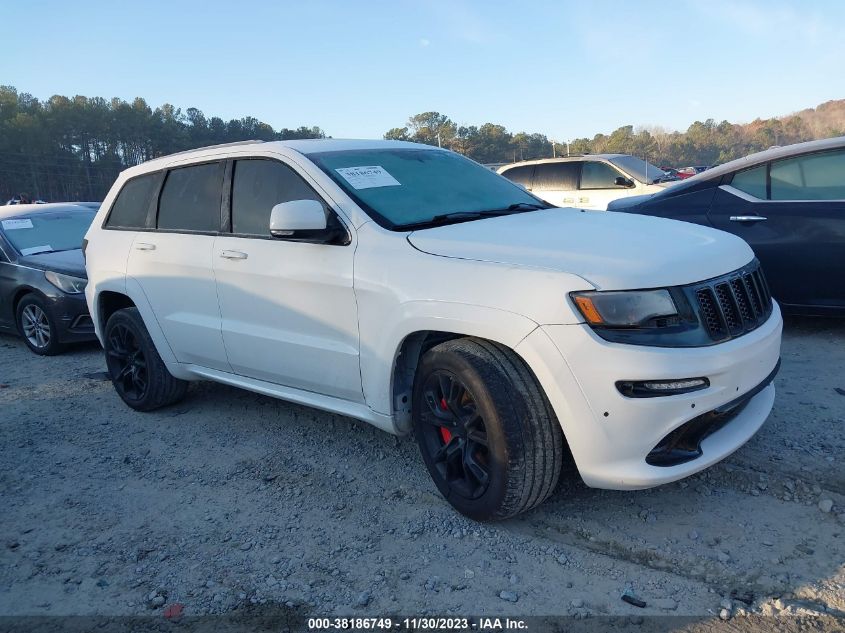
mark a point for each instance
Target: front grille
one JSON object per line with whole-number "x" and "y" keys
{"x": 734, "y": 304}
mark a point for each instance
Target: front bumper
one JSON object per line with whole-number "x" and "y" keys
{"x": 611, "y": 435}
{"x": 73, "y": 321}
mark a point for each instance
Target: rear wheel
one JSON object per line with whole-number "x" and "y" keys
{"x": 137, "y": 372}
{"x": 37, "y": 326}
{"x": 488, "y": 435}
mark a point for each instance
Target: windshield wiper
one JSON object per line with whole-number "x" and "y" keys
{"x": 463, "y": 216}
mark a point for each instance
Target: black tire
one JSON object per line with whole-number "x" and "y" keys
{"x": 524, "y": 448}
{"x": 137, "y": 372}
{"x": 37, "y": 326}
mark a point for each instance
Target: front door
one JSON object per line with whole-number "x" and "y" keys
{"x": 288, "y": 309}
{"x": 598, "y": 185}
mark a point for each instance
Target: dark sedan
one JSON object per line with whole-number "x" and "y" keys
{"x": 42, "y": 275}
{"x": 788, "y": 203}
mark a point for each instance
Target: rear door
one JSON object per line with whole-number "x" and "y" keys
{"x": 173, "y": 264}
{"x": 557, "y": 182}
{"x": 792, "y": 213}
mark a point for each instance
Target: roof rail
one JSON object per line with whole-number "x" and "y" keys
{"x": 196, "y": 149}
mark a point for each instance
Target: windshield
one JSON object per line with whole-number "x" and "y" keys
{"x": 402, "y": 187}
{"x": 641, "y": 170}
{"x": 47, "y": 232}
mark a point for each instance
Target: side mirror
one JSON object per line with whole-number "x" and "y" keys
{"x": 621, "y": 181}
{"x": 289, "y": 218}
{"x": 306, "y": 221}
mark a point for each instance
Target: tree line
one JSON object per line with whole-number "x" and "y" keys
{"x": 73, "y": 148}
{"x": 703, "y": 143}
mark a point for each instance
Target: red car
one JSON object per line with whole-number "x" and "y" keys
{"x": 686, "y": 172}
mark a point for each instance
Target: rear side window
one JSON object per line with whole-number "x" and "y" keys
{"x": 520, "y": 175}
{"x": 751, "y": 181}
{"x": 559, "y": 176}
{"x": 813, "y": 177}
{"x": 258, "y": 185}
{"x": 595, "y": 175}
{"x": 190, "y": 199}
{"x": 129, "y": 210}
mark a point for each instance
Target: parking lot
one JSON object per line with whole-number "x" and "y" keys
{"x": 230, "y": 499}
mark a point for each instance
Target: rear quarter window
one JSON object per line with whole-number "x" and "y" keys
{"x": 521, "y": 175}
{"x": 751, "y": 181}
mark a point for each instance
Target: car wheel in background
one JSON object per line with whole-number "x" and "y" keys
{"x": 137, "y": 372}
{"x": 37, "y": 326}
{"x": 487, "y": 433}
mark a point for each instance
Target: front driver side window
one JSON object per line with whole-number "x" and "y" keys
{"x": 595, "y": 175}
{"x": 257, "y": 186}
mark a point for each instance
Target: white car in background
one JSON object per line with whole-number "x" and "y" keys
{"x": 589, "y": 181}
{"x": 412, "y": 288}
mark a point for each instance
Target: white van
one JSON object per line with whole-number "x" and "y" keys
{"x": 590, "y": 181}
{"x": 412, "y": 288}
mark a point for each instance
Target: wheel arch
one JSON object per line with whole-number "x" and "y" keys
{"x": 19, "y": 294}
{"x": 110, "y": 298}
{"x": 109, "y": 302}
{"x": 406, "y": 360}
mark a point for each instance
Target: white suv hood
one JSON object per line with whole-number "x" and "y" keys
{"x": 612, "y": 251}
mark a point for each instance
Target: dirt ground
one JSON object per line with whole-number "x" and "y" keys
{"x": 230, "y": 500}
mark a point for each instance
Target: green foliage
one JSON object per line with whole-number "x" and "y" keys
{"x": 74, "y": 148}
{"x": 704, "y": 143}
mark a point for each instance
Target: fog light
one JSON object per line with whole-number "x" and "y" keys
{"x": 654, "y": 388}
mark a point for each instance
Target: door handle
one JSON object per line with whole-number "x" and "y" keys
{"x": 233, "y": 255}
{"x": 747, "y": 218}
{"x": 144, "y": 246}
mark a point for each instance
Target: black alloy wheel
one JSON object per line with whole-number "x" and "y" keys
{"x": 488, "y": 436}
{"x": 455, "y": 433}
{"x": 127, "y": 363}
{"x": 137, "y": 371}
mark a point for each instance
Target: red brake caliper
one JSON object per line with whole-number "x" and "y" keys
{"x": 445, "y": 433}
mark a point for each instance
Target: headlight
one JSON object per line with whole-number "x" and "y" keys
{"x": 629, "y": 308}
{"x": 66, "y": 283}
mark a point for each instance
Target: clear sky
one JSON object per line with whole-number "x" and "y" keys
{"x": 357, "y": 68}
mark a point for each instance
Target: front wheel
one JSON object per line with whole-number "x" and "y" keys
{"x": 137, "y": 372}
{"x": 487, "y": 433}
{"x": 37, "y": 326}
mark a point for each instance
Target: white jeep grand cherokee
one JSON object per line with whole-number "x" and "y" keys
{"x": 411, "y": 288}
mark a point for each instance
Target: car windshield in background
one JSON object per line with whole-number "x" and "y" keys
{"x": 641, "y": 170}
{"x": 47, "y": 232}
{"x": 410, "y": 188}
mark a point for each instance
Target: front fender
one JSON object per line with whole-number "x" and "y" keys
{"x": 382, "y": 336}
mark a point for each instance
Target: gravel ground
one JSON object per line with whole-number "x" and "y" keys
{"x": 231, "y": 499}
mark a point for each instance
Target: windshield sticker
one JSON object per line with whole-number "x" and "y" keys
{"x": 367, "y": 177}
{"x": 11, "y": 225}
{"x": 32, "y": 250}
